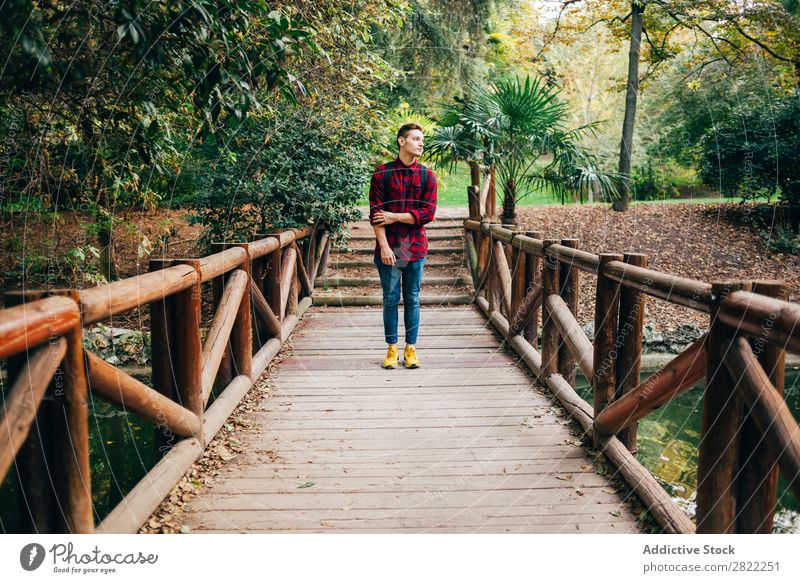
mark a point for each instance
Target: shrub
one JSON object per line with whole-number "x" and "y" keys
{"x": 756, "y": 151}
{"x": 648, "y": 183}
{"x": 306, "y": 166}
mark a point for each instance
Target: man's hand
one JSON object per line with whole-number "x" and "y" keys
{"x": 387, "y": 256}
{"x": 384, "y": 218}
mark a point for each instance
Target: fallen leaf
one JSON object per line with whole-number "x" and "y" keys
{"x": 306, "y": 485}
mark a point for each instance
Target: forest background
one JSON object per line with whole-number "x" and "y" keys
{"x": 248, "y": 116}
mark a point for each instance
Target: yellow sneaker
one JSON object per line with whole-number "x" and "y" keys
{"x": 391, "y": 358}
{"x": 410, "y": 357}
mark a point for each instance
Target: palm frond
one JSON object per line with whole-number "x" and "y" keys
{"x": 447, "y": 146}
{"x": 528, "y": 104}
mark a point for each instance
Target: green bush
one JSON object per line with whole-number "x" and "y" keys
{"x": 756, "y": 151}
{"x": 649, "y": 183}
{"x": 304, "y": 166}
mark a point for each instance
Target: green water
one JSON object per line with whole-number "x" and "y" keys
{"x": 667, "y": 444}
{"x": 121, "y": 452}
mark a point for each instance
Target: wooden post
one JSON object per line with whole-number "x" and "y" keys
{"x": 472, "y": 258}
{"x": 484, "y": 256}
{"x": 288, "y": 264}
{"x": 306, "y": 284}
{"x": 568, "y": 290}
{"x": 549, "y": 329}
{"x": 718, "y": 459}
{"x": 71, "y": 433}
{"x": 294, "y": 290}
{"x": 241, "y": 343}
{"x": 473, "y": 194}
{"x": 491, "y": 200}
{"x": 189, "y": 348}
{"x": 162, "y": 348}
{"x": 272, "y": 282}
{"x": 308, "y": 246}
{"x": 606, "y": 316}
{"x": 38, "y": 505}
{"x": 507, "y": 248}
{"x": 502, "y": 273}
{"x": 630, "y": 333}
{"x": 533, "y": 270}
{"x": 475, "y": 174}
{"x": 491, "y": 279}
{"x": 53, "y": 469}
{"x": 758, "y": 477}
{"x": 259, "y": 267}
{"x": 324, "y": 256}
{"x": 225, "y": 374}
{"x": 518, "y": 282}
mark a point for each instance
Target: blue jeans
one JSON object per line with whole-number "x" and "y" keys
{"x": 410, "y": 274}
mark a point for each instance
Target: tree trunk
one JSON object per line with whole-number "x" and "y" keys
{"x": 108, "y": 263}
{"x": 475, "y": 174}
{"x": 631, "y": 94}
{"x": 509, "y": 203}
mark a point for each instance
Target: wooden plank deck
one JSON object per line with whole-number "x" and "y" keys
{"x": 463, "y": 444}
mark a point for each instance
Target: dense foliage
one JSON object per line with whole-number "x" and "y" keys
{"x": 755, "y": 151}
{"x": 261, "y": 115}
{"x": 280, "y": 172}
{"x": 513, "y": 126}
{"x": 107, "y": 107}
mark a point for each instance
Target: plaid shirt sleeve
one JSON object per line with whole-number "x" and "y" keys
{"x": 376, "y": 194}
{"x": 426, "y": 210}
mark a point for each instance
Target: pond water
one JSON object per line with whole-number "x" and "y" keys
{"x": 667, "y": 444}
{"x": 122, "y": 451}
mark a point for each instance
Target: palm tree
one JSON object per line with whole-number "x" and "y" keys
{"x": 517, "y": 127}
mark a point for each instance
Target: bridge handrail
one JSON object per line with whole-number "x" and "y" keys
{"x": 41, "y": 336}
{"x": 523, "y": 277}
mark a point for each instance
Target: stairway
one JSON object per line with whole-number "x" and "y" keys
{"x": 352, "y": 278}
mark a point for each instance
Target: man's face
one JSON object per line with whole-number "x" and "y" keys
{"x": 412, "y": 143}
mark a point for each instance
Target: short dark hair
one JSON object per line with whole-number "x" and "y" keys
{"x": 404, "y": 129}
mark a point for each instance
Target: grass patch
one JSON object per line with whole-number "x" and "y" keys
{"x": 453, "y": 193}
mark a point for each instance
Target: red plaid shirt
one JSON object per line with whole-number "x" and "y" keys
{"x": 409, "y": 242}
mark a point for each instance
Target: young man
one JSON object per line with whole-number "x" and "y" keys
{"x": 402, "y": 198}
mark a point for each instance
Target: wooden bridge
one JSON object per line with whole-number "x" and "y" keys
{"x": 489, "y": 436}
{"x": 461, "y": 445}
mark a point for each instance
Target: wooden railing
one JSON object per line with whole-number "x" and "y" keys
{"x": 523, "y": 277}
{"x": 44, "y": 423}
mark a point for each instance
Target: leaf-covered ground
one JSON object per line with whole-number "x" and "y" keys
{"x": 691, "y": 240}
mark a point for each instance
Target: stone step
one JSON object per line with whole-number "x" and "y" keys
{"x": 370, "y": 281}
{"x": 377, "y": 300}
{"x": 333, "y": 264}
{"x": 431, "y": 250}
{"x": 430, "y": 237}
{"x": 429, "y": 227}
